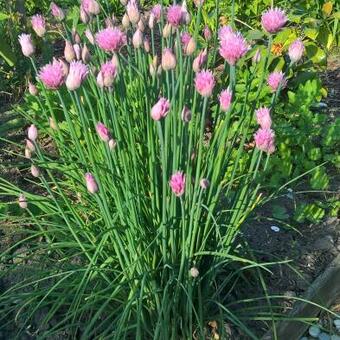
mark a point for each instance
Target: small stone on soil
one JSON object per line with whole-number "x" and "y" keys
{"x": 314, "y": 331}
{"x": 324, "y": 336}
{"x": 275, "y": 228}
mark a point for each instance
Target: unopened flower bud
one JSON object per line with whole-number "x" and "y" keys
{"x": 28, "y": 153}
{"x": 30, "y": 145}
{"x": 32, "y": 89}
{"x": 191, "y": 47}
{"x": 167, "y": 30}
{"x": 53, "y": 124}
{"x": 133, "y": 12}
{"x": 32, "y": 133}
{"x": 141, "y": 25}
{"x": 168, "y": 60}
{"x": 89, "y": 36}
{"x": 35, "y": 171}
{"x": 84, "y": 17}
{"x": 137, "y": 39}
{"x": 151, "y": 21}
{"x": 194, "y": 272}
{"x": 126, "y": 21}
{"x": 146, "y": 45}
{"x": 186, "y": 115}
{"x": 22, "y": 201}
{"x": 204, "y": 183}
{"x": 112, "y": 144}
{"x": 85, "y": 54}
{"x": 77, "y": 51}
{"x": 69, "y": 52}
{"x": 257, "y": 57}
{"x": 91, "y": 183}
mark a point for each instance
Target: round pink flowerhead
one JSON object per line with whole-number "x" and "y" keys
{"x": 26, "y": 44}
{"x": 38, "y": 25}
{"x": 160, "y": 109}
{"x": 103, "y": 132}
{"x": 265, "y": 140}
{"x": 77, "y": 73}
{"x": 90, "y": 7}
{"x": 32, "y": 132}
{"x": 57, "y": 12}
{"x": 91, "y": 183}
{"x": 175, "y": 15}
{"x": 225, "y": 99}
{"x": 107, "y": 74}
{"x": 273, "y": 20}
{"x": 52, "y": 75}
{"x": 111, "y": 39}
{"x": 277, "y": 80}
{"x": 263, "y": 117}
{"x": 296, "y": 50}
{"x": 22, "y": 201}
{"x": 177, "y": 183}
{"x": 205, "y": 83}
{"x": 232, "y": 45}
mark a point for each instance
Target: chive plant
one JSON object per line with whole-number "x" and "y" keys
{"x": 133, "y": 227}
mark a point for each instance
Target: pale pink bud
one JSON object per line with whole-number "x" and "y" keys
{"x": 263, "y": 117}
{"x": 160, "y": 109}
{"x": 28, "y": 153}
{"x": 57, "y": 12}
{"x": 205, "y": 83}
{"x": 296, "y": 50}
{"x": 112, "y": 144}
{"x": 84, "y": 17}
{"x": 91, "y": 183}
{"x": 77, "y": 51}
{"x": 177, "y": 183}
{"x": 100, "y": 79}
{"x": 77, "y": 74}
{"x": 167, "y": 30}
{"x": 141, "y": 25}
{"x": 85, "y": 54}
{"x": 186, "y": 18}
{"x": 151, "y": 21}
{"x": 168, "y": 60}
{"x": 273, "y": 20}
{"x": 22, "y": 201}
{"x": 65, "y": 66}
{"x": 30, "y": 145}
{"x": 137, "y": 39}
{"x": 125, "y": 21}
{"x": 277, "y": 80}
{"x": 32, "y": 133}
{"x": 26, "y": 44}
{"x": 186, "y": 115}
{"x": 32, "y": 89}
{"x": 225, "y": 99}
{"x": 207, "y": 33}
{"x": 133, "y": 12}
{"x": 191, "y": 47}
{"x": 194, "y": 272}
{"x": 204, "y": 183}
{"x": 115, "y": 60}
{"x": 69, "y": 52}
{"x": 200, "y": 60}
{"x": 90, "y": 7}
{"x": 146, "y": 44}
{"x": 89, "y": 36}
{"x": 156, "y": 11}
{"x": 35, "y": 171}
{"x": 38, "y": 25}
{"x": 103, "y": 132}
{"x": 257, "y": 57}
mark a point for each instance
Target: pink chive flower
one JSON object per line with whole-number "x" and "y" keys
{"x": 90, "y": 7}
{"x": 111, "y": 39}
{"x": 157, "y": 12}
{"x": 168, "y": 59}
{"x": 296, "y": 50}
{"x": 22, "y": 201}
{"x": 32, "y": 132}
{"x": 177, "y": 183}
{"x": 26, "y": 44}
{"x": 273, "y": 20}
{"x": 160, "y": 109}
{"x": 103, "y": 132}
{"x": 200, "y": 60}
{"x": 205, "y": 83}
{"x": 232, "y": 45}
{"x": 225, "y": 99}
{"x": 35, "y": 171}
{"x": 133, "y": 11}
{"x": 185, "y": 38}
{"x": 38, "y": 25}
{"x": 57, "y": 12}
{"x": 77, "y": 73}
{"x": 224, "y": 32}
{"x": 52, "y": 75}
{"x": 265, "y": 140}
{"x": 137, "y": 39}
{"x": 108, "y": 72}
{"x": 263, "y": 117}
{"x": 207, "y": 33}
{"x": 175, "y": 15}
{"x": 91, "y": 183}
{"x": 276, "y": 80}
